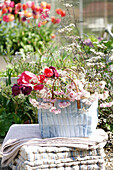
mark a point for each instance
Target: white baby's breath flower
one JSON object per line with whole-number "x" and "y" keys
{"x": 111, "y": 57}
{"x": 99, "y": 46}
{"x": 92, "y": 50}
{"x": 21, "y": 96}
{"x": 68, "y": 5}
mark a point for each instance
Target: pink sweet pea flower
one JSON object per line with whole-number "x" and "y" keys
{"x": 27, "y": 78}
{"x": 73, "y": 96}
{"x": 54, "y": 110}
{"x": 64, "y": 104}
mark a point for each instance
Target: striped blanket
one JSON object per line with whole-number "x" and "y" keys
{"x": 25, "y": 149}
{"x": 60, "y": 158}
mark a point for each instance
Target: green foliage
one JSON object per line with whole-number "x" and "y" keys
{"x": 24, "y": 38}
{"x": 14, "y": 110}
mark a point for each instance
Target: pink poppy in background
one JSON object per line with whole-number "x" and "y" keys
{"x": 58, "y": 21}
{"x": 40, "y": 24}
{"x": 30, "y": 4}
{"x": 5, "y": 18}
{"x": 12, "y": 4}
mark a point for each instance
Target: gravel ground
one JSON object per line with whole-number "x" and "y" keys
{"x": 108, "y": 152}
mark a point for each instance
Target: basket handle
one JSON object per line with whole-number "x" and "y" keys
{"x": 78, "y": 101}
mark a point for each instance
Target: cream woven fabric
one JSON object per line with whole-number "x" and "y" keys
{"x": 28, "y": 135}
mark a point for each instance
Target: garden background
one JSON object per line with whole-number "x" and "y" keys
{"x": 87, "y": 19}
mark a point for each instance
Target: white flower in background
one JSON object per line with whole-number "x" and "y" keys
{"x": 102, "y": 84}
{"x": 85, "y": 93}
{"x": 92, "y": 50}
{"x": 106, "y": 104}
{"x": 104, "y": 96}
{"x": 111, "y": 57}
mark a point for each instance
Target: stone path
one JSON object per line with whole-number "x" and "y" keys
{"x": 2, "y": 64}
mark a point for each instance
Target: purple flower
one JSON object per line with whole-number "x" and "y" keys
{"x": 100, "y": 38}
{"x": 16, "y": 90}
{"x": 24, "y": 19}
{"x": 26, "y": 90}
{"x": 55, "y": 73}
{"x": 88, "y": 43}
{"x": 34, "y": 12}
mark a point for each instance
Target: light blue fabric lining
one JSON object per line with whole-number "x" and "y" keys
{"x": 71, "y": 122}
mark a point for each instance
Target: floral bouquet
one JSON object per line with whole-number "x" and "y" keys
{"x": 67, "y": 104}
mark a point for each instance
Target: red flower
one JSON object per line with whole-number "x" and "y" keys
{"x": 63, "y": 13}
{"x": 41, "y": 78}
{"x": 48, "y": 72}
{"x": 4, "y": 10}
{"x": 53, "y": 20}
{"x": 16, "y": 90}
{"x": 39, "y": 87}
{"x": 37, "y": 8}
{"x": 24, "y": 6}
{"x": 18, "y": 6}
{"x": 58, "y": 11}
{"x": 48, "y": 6}
{"x": 16, "y": 11}
{"x": 53, "y": 36}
